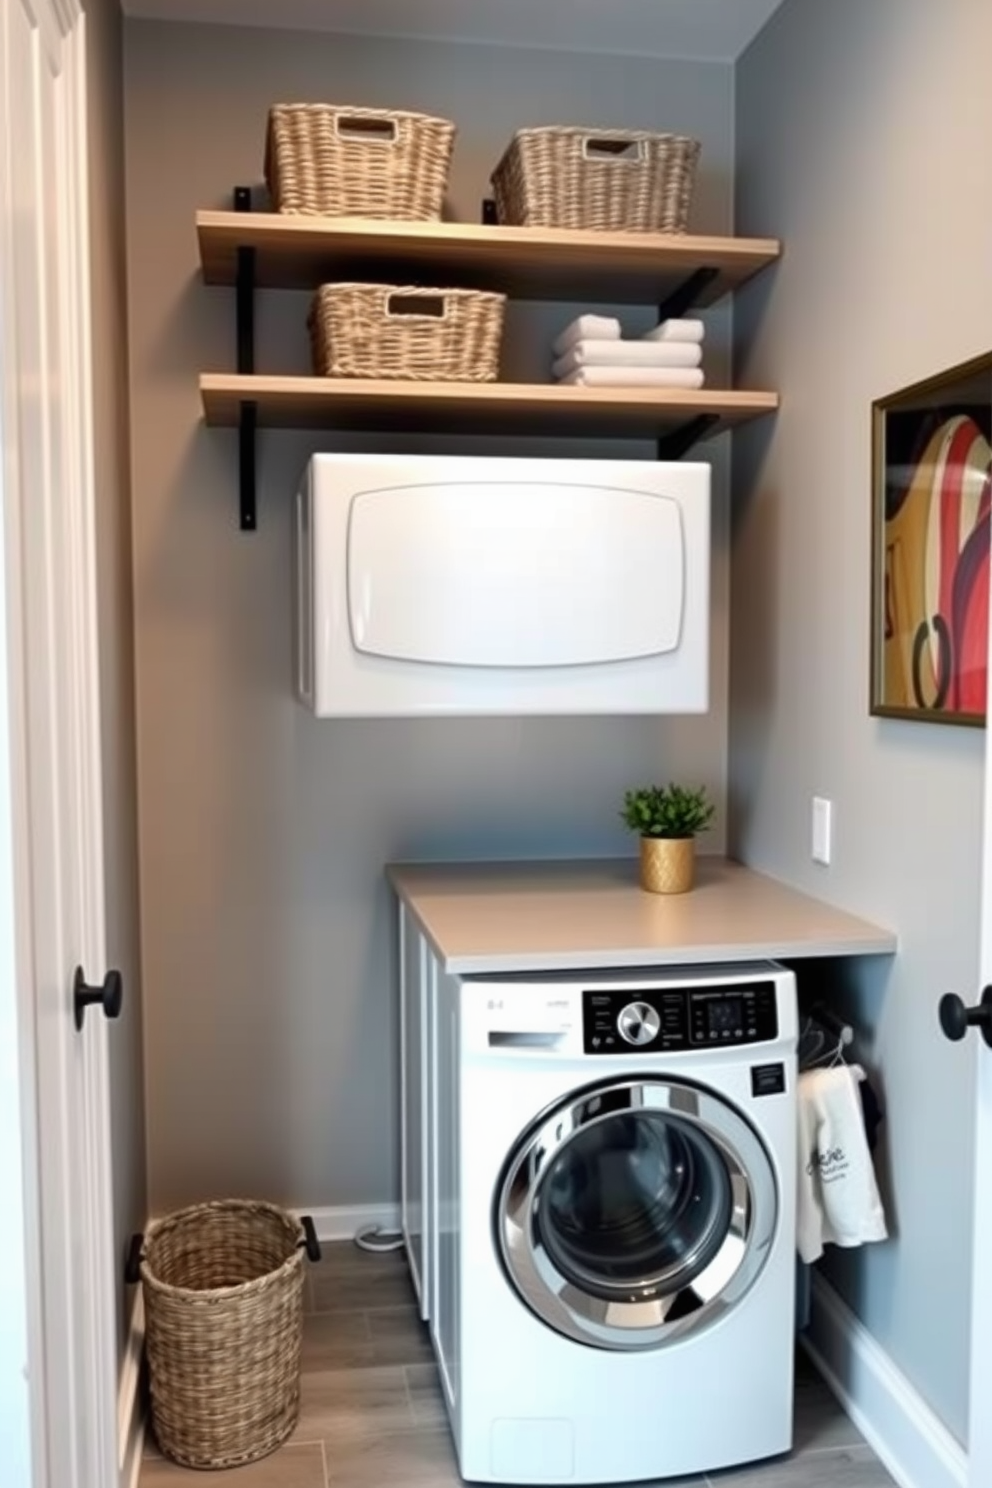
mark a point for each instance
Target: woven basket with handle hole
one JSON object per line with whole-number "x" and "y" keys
{"x": 328, "y": 160}
{"x": 423, "y": 335}
{"x": 619, "y": 180}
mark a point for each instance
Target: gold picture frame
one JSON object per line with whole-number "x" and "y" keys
{"x": 931, "y": 499}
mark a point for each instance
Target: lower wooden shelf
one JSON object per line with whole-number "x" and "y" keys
{"x": 464, "y": 408}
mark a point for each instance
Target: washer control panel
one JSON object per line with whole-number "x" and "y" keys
{"x": 653, "y": 1019}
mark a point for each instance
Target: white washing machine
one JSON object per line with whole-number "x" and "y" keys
{"x": 613, "y": 1262}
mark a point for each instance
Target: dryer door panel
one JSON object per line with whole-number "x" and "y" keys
{"x": 519, "y": 573}
{"x": 636, "y": 1212}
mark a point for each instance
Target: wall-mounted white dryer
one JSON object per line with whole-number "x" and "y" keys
{"x": 437, "y": 585}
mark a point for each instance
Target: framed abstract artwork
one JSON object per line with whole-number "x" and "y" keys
{"x": 931, "y": 499}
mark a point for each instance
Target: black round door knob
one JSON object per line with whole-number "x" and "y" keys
{"x": 956, "y": 1019}
{"x": 109, "y": 996}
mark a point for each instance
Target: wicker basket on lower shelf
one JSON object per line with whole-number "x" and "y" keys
{"x": 223, "y": 1293}
{"x": 622, "y": 180}
{"x": 411, "y": 333}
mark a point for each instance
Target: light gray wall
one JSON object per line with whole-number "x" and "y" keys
{"x": 859, "y": 131}
{"x": 271, "y": 1046}
{"x": 105, "y": 83}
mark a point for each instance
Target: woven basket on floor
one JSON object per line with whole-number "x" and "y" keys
{"x": 422, "y": 335}
{"x": 223, "y": 1293}
{"x": 333, "y": 161}
{"x": 610, "y": 181}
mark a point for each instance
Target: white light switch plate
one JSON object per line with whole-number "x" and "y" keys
{"x": 823, "y": 813}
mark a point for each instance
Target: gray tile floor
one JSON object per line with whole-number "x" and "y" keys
{"x": 372, "y": 1414}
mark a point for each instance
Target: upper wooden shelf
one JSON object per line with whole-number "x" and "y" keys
{"x": 523, "y": 262}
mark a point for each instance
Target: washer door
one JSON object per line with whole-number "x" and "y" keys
{"x": 635, "y": 1212}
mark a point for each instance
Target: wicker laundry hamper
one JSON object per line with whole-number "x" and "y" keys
{"x": 621, "y": 180}
{"x": 333, "y": 161}
{"x": 223, "y": 1294}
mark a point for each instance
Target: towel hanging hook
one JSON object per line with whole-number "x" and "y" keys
{"x": 824, "y": 1037}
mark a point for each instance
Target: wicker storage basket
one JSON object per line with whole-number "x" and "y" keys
{"x": 423, "y": 335}
{"x": 357, "y": 162}
{"x": 223, "y": 1293}
{"x": 609, "y": 181}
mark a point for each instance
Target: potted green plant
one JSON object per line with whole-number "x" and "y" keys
{"x": 667, "y": 819}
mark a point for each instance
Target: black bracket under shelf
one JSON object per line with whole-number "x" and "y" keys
{"x": 687, "y": 294}
{"x": 678, "y": 443}
{"x": 248, "y": 420}
{"x": 674, "y": 445}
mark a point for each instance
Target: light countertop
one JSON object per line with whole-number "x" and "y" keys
{"x": 587, "y": 913}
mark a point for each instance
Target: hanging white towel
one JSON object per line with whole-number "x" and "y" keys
{"x": 628, "y": 354}
{"x": 671, "y": 377}
{"x": 838, "y": 1198}
{"x": 587, "y": 328}
{"x": 676, "y": 330}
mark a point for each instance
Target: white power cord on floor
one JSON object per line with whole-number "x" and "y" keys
{"x": 374, "y": 1238}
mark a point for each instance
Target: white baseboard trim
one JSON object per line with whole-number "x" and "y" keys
{"x": 899, "y": 1426}
{"x": 341, "y": 1222}
{"x": 130, "y": 1423}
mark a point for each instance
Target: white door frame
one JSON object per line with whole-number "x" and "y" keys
{"x": 55, "y": 757}
{"x": 20, "y": 1283}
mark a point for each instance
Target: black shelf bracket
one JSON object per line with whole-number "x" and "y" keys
{"x": 674, "y": 445}
{"x": 248, "y": 420}
{"x": 247, "y": 428}
{"x": 687, "y": 294}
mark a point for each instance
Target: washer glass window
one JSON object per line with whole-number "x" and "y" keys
{"x": 634, "y": 1200}
{"x": 636, "y": 1211}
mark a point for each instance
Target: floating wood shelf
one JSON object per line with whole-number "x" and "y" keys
{"x": 476, "y": 408}
{"x": 523, "y": 262}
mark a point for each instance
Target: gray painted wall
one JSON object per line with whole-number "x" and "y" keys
{"x": 116, "y": 625}
{"x": 271, "y": 1045}
{"x": 859, "y": 131}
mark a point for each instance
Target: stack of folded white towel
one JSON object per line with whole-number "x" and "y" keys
{"x": 592, "y": 352}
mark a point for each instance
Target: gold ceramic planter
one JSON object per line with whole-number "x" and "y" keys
{"x": 667, "y": 864}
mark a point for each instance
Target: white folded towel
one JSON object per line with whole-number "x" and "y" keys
{"x": 628, "y": 354}
{"x": 672, "y": 377}
{"x": 676, "y": 330}
{"x": 838, "y": 1199}
{"x": 587, "y": 328}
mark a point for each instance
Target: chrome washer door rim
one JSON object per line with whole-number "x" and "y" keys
{"x": 654, "y": 1316}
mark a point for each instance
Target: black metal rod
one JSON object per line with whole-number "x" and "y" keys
{"x": 247, "y": 425}
{"x": 246, "y": 310}
{"x": 310, "y": 1240}
{"x": 832, "y": 1023}
{"x": 686, "y": 296}
{"x": 248, "y": 422}
{"x": 674, "y": 445}
{"x": 132, "y": 1266}
{"x": 245, "y": 290}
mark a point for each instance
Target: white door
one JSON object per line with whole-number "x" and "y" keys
{"x": 980, "y": 1020}
{"x": 980, "y": 1416}
{"x": 54, "y": 736}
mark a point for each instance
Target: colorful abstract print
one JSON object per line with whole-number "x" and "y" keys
{"x": 937, "y": 573}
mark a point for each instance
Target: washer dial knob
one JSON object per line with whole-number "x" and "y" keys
{"x": 638, "y": 1023}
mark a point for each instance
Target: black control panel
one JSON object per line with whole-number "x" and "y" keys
{"x": 651, "y": 1020}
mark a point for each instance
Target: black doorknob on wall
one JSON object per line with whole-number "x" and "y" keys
{"x": 956, "y": 1019}
{"x": 109, "y": 995}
